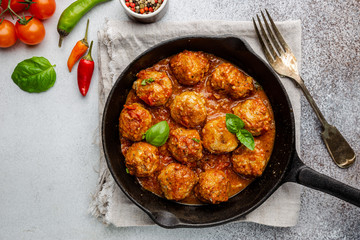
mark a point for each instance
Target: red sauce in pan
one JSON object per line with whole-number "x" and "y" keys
{"x": 216, "y": 105}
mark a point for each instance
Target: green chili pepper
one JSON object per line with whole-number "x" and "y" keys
{"x": 72, "y": 15}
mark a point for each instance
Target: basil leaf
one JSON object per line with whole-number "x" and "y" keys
{"x": 148, "y": 80}
{"x": 158, "y": 134}
{"x": 246, "y": 138}
{"x": 34, "y": 75}
{"x": 196, "y": 140}
{"x": 233, "y": 123}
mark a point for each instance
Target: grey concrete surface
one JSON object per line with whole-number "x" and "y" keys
{"x": 48, "y": 151}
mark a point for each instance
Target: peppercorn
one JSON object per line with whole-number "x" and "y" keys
{"x": 143, "y": 6}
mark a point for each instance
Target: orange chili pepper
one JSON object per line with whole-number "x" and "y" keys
{"x": 79, "y": 50}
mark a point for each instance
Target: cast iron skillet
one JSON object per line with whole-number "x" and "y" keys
{"x": 284, "y": 164}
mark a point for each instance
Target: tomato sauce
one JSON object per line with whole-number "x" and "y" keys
{"x": 216, "y": 105}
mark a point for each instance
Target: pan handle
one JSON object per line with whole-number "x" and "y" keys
{"x": 300, "y": 173}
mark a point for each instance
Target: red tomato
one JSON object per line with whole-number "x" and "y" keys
{"x": 7, "y": 34}
{"x": 15, "y": 5}
{"x": 42, "y": 9}
{"x": 31, "y": 33}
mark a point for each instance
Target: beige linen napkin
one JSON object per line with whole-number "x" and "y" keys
{"x": 119, "y": 44}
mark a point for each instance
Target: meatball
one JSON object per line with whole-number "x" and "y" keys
{"x": 217, "y": 138}
{"x": 177, "y": 181}
{"x": 153, "y": 87}
{"x": 255, "y": 115}
{"x": 213, "y": 187}
{"x": 188, "y": 67}
{"x": 188, "y": 109}
{"x": 185, "y": 146}
{"x": 230, "y": 80}
{"x": 134, "y": 121}
{"x": 248, "y": 162}
{"x": 142, "y": 159}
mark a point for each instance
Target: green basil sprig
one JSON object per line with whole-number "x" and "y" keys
{"x": 158, "y": 134}
{"x": 196, "y": 140}
{"x": 148, "y": 80}
{"x": 235, "y": 125}
{"x": 34, "y": 75}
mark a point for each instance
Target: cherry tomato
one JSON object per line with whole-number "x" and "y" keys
{"x": 7, "y": 34}
{"x": 31, "y": 33}
{"x": 15, "y": 5}
{"x": 42, "y": 9}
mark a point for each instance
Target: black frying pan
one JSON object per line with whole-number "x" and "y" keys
{"x": 284, "y": 164}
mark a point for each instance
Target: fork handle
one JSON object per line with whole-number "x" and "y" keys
{"x": 318, "y": 113}
{"x": 339, "y": 149}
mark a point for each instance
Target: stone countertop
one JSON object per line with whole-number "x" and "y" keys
{"x": 48, "y": 143}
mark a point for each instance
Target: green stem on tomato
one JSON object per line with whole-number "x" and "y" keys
{"x": 8, "y": 9}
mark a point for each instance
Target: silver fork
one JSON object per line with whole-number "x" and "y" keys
{"x": 283, "y": 61}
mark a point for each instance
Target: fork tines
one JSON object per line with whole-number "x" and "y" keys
{"x": 274, "y": 46}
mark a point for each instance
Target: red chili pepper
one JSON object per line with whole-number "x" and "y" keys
{"x": 79, "y": 50}
{"x": 85, "y": 72}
